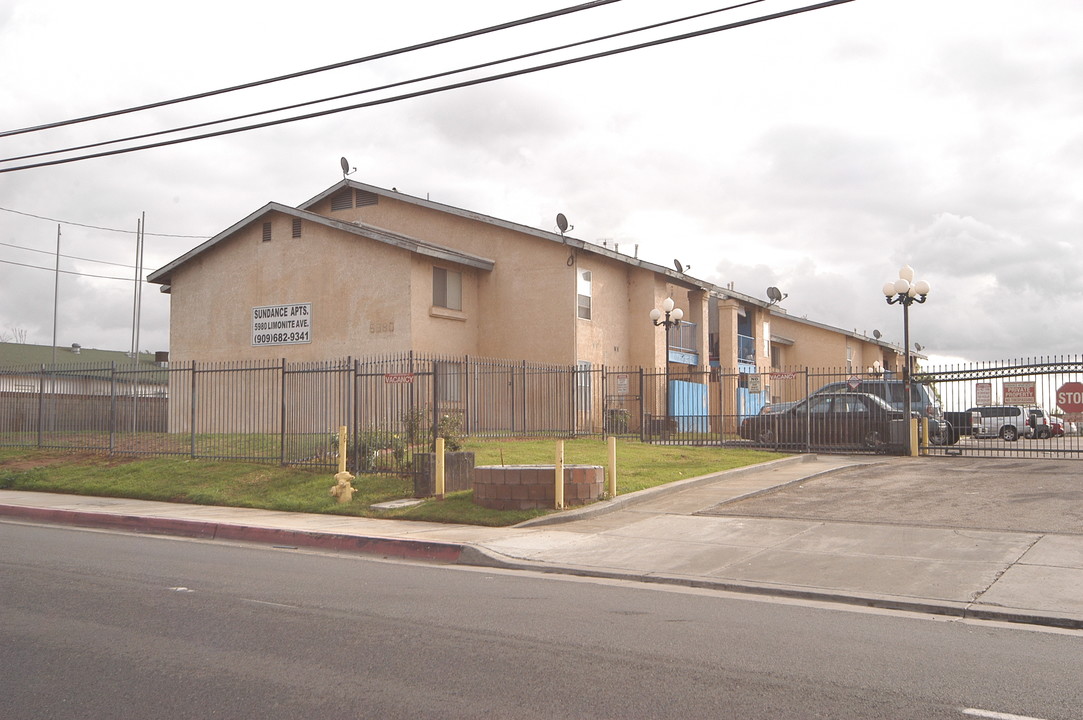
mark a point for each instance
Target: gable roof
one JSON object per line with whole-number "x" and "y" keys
{"x": 421, "y": 247}
{"x": 674, "y": 276}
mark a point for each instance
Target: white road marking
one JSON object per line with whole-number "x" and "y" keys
{"x": 996, "y": 715}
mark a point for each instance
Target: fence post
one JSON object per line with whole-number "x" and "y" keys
{"x": 113, "y": 407}
{"x": 558, "y": 488}
{"x": 342, "y": 448}
{"x": 282, "y": 418}
{"x": 192, "y": 411}
{"x": 41, "y": 405}
{"x": 439, "y": 468}
{"x": 612, "y": 441}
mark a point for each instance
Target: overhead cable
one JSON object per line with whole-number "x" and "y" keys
{"x": 388, "y": 86}
{"x": 98, "y": 227}
{"x": 335, "y": 66}
{"x": 444, "y": 88}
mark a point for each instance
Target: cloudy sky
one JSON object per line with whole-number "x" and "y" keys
{"x": 817, "y": 152}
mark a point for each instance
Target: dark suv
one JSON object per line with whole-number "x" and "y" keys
{"x": 922, "y": 401}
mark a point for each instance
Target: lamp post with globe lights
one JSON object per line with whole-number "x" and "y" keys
{"x": 906, "y": 291}
{"x": 668, "y": 317}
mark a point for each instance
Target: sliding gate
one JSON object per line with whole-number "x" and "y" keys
{"x": 1031, "y": 408}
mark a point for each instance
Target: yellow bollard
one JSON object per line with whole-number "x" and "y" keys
{"x": 439, "y": 468}
{"x": 612, "y": 466}
{"x": 342, "y": 448}
{"x": 924, "y": 434}
{"x": 558, "y": 488}
{"x": 913, "y": 437}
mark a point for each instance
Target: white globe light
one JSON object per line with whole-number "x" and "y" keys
{"x": 667, "y": 305}
{"x": 677, "y": 314}
{"x": 656, "y": 314}
{"x": 902, "y": 286}
{"x": 907, "y": 273}
{"x": 889, "y": 289}
{"x": 921, "y": 287}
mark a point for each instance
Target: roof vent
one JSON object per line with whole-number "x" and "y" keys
{"x": 76, "y": 348}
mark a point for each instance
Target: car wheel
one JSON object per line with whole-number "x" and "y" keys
{"x": 1045, "y": 434}
{"x": 1009, "y": 433}
{"x": 873, "y": 440}
{"x": 766, "y": 436}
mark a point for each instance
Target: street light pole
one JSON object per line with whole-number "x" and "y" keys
{"x": 672, "y": 317}
{"x": 905, "y": 291}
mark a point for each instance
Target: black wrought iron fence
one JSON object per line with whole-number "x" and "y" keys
{"x": 395, "y": 406}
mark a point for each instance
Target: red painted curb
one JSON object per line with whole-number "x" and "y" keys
{"x": 388, "y": 547}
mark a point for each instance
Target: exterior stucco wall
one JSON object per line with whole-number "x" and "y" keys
{"x": 526, "y": 305}
{"x": 439, "y": 330}
{"x": 356, "y": 288}
{"x": 825, "y": 348}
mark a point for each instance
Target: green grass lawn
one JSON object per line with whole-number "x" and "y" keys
{"x": 273, "y": 487}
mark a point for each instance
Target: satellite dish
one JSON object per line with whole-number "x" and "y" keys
{"x": 917, "y": 346}
{"x": 775, "y": 295}
{"x": 681, "y": 268}
{"x": 345, "y": 165}
{"x": 876, "y": 334}
{"x": 562, "y": 223}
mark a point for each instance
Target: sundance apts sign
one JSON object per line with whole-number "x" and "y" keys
{"x": 282, "y": 324}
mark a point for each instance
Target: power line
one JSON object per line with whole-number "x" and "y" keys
{"x": 70, "y": 257}
{"x": 324, "y": 68}
{"x": 388, "y": 86}
{"x": 98, "y": 227}
{"x": 444, "y": 88}
{"x": 66, "y": 272}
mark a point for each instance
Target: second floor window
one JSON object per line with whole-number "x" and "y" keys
{"x": 583, "y": 295}
{"x": 447, "y": 288}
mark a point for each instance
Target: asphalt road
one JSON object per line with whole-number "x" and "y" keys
{"x": 108, "y": 625}
{"x": 1019, "y": 494}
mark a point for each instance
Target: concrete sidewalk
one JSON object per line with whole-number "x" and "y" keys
{"x": 657, "y": 535}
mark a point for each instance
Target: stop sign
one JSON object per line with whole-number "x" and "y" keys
{"x": 1070, "y": 397}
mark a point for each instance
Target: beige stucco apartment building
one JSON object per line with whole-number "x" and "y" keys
{"x": 359, "y": 270}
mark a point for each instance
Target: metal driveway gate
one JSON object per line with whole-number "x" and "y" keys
{"x": 1031, "y": 408}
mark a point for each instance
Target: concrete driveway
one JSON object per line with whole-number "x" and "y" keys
{"x": 1022, "y": 495}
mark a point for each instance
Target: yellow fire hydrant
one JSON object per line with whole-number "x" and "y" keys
{"x": 342, "y": 489}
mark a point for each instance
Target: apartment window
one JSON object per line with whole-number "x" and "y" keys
{"x": 849, "y": 358}
{"x": 776, "y": 356}
{"x": 266, "y": 232}
{"x": 447, "y": 288}
{"x": 297, "y": 227}
{"x": 583, "y": 295}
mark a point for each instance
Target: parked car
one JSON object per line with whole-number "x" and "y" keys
{"x": 842, "y": 419}
{"x": 1056, "y": 426}
{"x": 777, "y": 407}
{"x": 923, "y": 401}
{"x": 1008, "y": 422}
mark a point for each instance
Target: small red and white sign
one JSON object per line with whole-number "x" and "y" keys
{"x": 854, "y": 382}
{"x": 398, "y": 378}
{"x": 1021, "y": 392}
{"x": 983, "y": 393}
{"x": 1070, "y": 397}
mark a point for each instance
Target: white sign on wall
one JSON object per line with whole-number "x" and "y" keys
{"x": 282, "y": 324}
